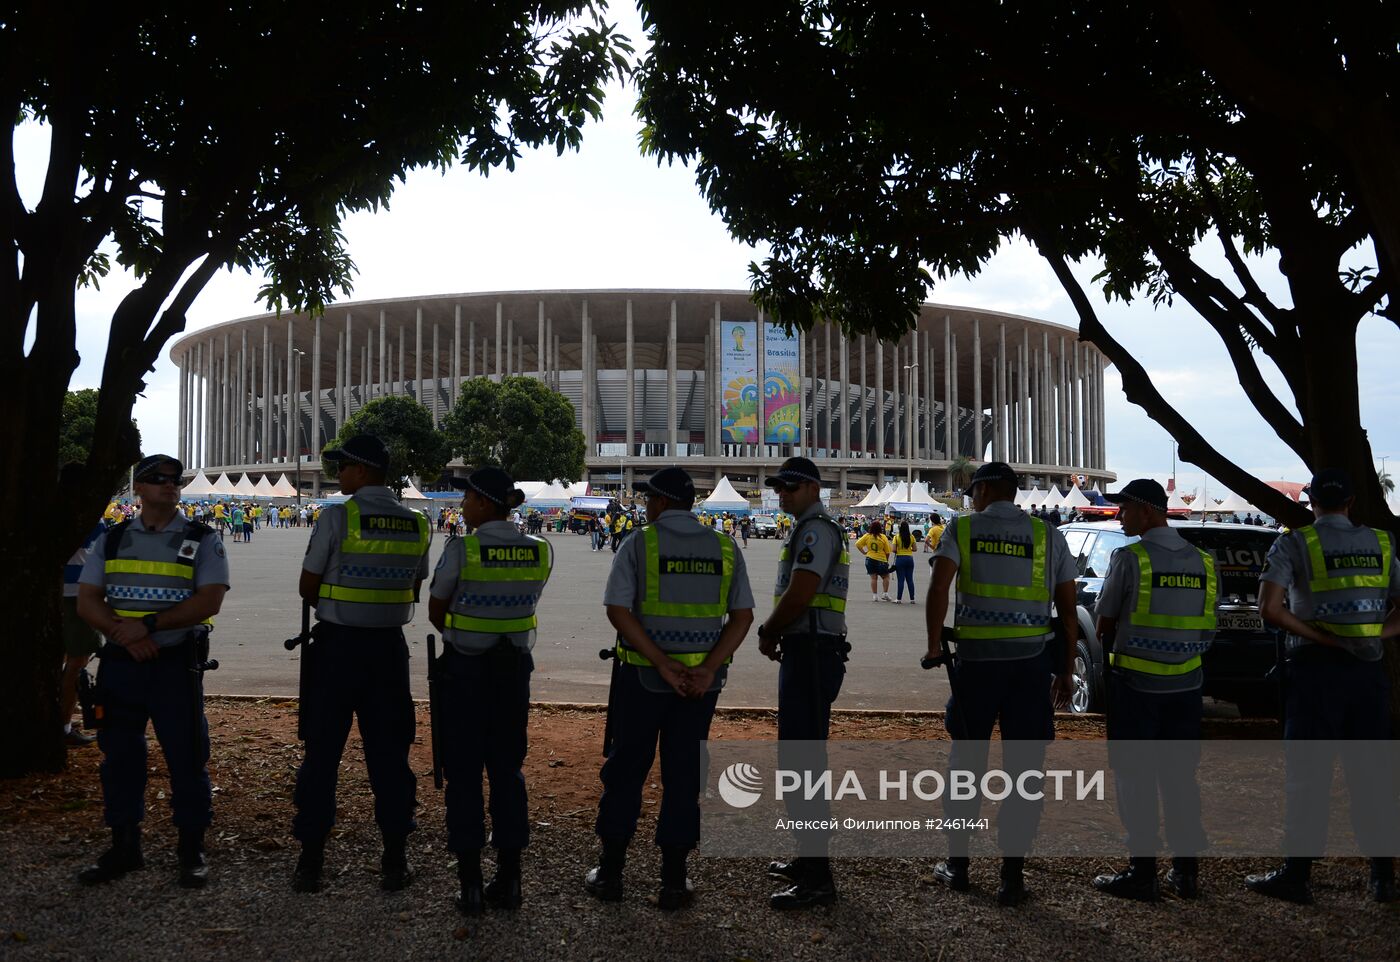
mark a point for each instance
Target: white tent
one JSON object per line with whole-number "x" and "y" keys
{"x": 1053, "y": 499}
{"x": 578, "y": 489}
{"x": 920, "y": 494}
{"x": 1022, "y": 497}
{"x": 1235, "y": 504}
{"x": 1035, "y": 499}
{"x": 894, "y": 491}
{"x": 244, "y": 488}
{"x": 263, "y": 489}
{"x": 550, "y": 496}
{"x": 222, "y": 486}
{"x": 531, "y": 488}
{"x": 1175, "y": 502}
{"x": 1075, "y": 499}
{"x": 411, "y": 493}
{"x": 199, "y": 487}
{"x": 283, "y": 488}
{"x": 872, "y": 498}
{"x": 725, "y": 498}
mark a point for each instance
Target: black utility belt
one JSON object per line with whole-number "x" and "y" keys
{"x": 120, "y": 652}
{"x": 1313, "y": 654}
{"x": 814, "y": 642}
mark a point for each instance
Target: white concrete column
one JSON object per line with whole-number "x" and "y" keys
{"x": 926, "y": 337}
{"x": 978, "y": 452}
{"x": 826, "y": 397}
{"x": 585, "y": 353}
{"x": 671, "y": 442}
{"x": 456, "y": 353}
{"x": 339, "y": 381}
{"x": 499, "y": 328}
{"x": 471, "y": 351}
{"x": 896, "y": 401}
{"x": 548, "y": 347}
{"x": 844, "y": 373}
{"x": 383, "y": 380}
{"x": 879, "y": 402}
{"x": 865, "y": 448}
{"x": 291, "y": 399}
{"x": 957, "y": 393}
{"x": 1103, "y": 431}
{"x": 949, "y": 415}
{"x": 511, "y": 359}
{"x": 349, "y": 368}
{"x": 437, "y": 384}
{"x": 539, "y": 352}
{"x": 315, "y": 439}
{"x": 630, "y": 420}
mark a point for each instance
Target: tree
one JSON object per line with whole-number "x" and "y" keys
{"x": 188, "y": 138}
{"x": 960, "y": 472}
{"x": 875, "y": 147}
{"x": 1386, "y": 482}
{"x": 76, "y": 429}
{"x": 518, "y": 424}
{"x": 416, "y": 448}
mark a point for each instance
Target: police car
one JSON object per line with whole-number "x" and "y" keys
{"x": 1238, "y": 662}
{"x": 765, "y": 526}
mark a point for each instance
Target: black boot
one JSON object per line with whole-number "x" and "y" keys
{"x": 815, "y": 887}
{"x": 1382, "y": 880}
{"x": 1183, "y": 877}
{"x": 605, "y": 880}
{"x": 504, "y": 890}
{"x": 790, "y": 871}
{"x": 1289, "y": 883}
{"x": 472, "y": 900}
{"x": 953, "y": 873}
{"x": 306, "y": 877}
{"x": 395, "y": 870}
{"x": 1137, "y": 882}
{"x": 194, "y": 870}
{"x": 1013, "y": 882}
{"x": 676, "y": 892}
{"x": 124, "y": 856}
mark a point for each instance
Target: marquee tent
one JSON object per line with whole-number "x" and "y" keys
{"x": 263, "y": 489}
{"x": 199, "y": 487}
{"x": 283, "y": 488}
{"x": 244, "y": 488}
{"x": 725, "y": 498}
{"x": 222, "y": 486}
{"x": 550, "y": 496}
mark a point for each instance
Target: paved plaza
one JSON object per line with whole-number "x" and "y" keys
{"x": 262, "y": 610}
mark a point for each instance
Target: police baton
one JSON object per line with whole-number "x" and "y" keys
{"x": 304, "y": 677}
{"x": 946, "y": 660}
{"x": 433, "y": 699}
{"x": 609, "y": 654}
{"x": 200, "y": 662}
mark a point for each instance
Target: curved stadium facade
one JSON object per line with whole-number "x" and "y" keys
{"x": 657, "y": 377}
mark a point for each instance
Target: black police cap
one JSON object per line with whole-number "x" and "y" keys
{"x": 994, "y": 471}
{"x": 672, "y": 483}
{"x": 363, "y": 449}
{"x": 1329, "y": 488}
{"x": 152, "y": 463}
{"x": 794, "y": 471}
{"x": 1142, "y": 491}
{"x": 492, "y": 483}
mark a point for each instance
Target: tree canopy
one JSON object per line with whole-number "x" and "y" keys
{"x": 79, "y": 422}
{"x": 518, "y": 424}
{"x": 186, "y": 138}
{"x": 416, "y": 448}
{"x": 878, "y": 147}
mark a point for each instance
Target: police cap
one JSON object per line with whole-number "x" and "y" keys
{"x": 1141, "y": 491}
{"x": 152, "y": 465}
{"x": 672, "y": 483}
{"x": 795, "y": 471}
{"x": 994, "y": 471}
{"x": 492, "y": 483}
{"x": 363, "y": 449}
{"x": 1329, "y": 488}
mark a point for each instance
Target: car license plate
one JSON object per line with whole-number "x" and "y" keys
{"x": 1234, "y": 621}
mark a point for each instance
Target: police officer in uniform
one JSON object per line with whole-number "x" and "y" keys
{"x": 1009, "y": 566}
{"x": 483, "y": 599}
{"x": 150, "y": 585}
{"x": 806, "y": 632}
{"x": 678, "y": 595}
{"x": 363, "y": 569}
{"x": 1156, "y": 617}
{"x": 1334, "y": 587}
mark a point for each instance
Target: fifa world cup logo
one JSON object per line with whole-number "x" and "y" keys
{"x": 737, "y": 333}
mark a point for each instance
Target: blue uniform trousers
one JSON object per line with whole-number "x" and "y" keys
{"x": 1141, "y": 772}
{"x": 1014, "y": 695}
{"x": 809, "y": 679}
{"x": 167, "y": 694}
{"x": 484, "y": 711}
{"x": 357, "y": 672}
{"x": 1338, "y": 705}
{"x": 639, "y": 719}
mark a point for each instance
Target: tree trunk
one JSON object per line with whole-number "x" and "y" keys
{"x": 31, "y": 649}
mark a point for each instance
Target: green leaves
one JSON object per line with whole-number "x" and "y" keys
{"x": 416, "y": 449}
{"x": 520, "y": 425}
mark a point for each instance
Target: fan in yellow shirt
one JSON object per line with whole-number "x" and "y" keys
{"x": 877, "y": 550}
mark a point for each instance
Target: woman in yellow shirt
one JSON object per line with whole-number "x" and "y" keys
{"x": 904, "y": 548}
{"x": 877, "y": 550}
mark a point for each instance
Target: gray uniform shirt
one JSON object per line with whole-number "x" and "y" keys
{"x": 323, "y": 554}
{"x": 210, "y": 567}
{"x": 624, "y": 580}
{"x": 1287, "y": 564}
{"x": 815, "y": 546}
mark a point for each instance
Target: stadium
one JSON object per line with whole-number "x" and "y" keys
{"x": 657, "y": 377}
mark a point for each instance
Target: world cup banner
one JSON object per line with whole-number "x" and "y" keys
{"x": 738, "y": 411}
{"x": 782, "y": 386}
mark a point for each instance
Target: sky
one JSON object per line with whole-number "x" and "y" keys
{"x": 608, "y": 217}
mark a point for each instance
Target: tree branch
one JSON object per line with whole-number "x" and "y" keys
{"x": 1139, "y": 389}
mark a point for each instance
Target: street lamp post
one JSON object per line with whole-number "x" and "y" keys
{"x": 909, "y": 371}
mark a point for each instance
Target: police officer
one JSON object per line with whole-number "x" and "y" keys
{"x": 363, "y": 569}
{"x": 1342, "y": 585}
{"x": 678, "y": 595}
{"x": 1009, "y": 566}
{"x": 1156, "y": 617}
{"x": 806, "y": 632}
{"x": 483, "y": 599}
{"x": 150, "y": 585}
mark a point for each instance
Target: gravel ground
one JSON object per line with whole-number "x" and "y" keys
{"x": 890, "y": 909}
